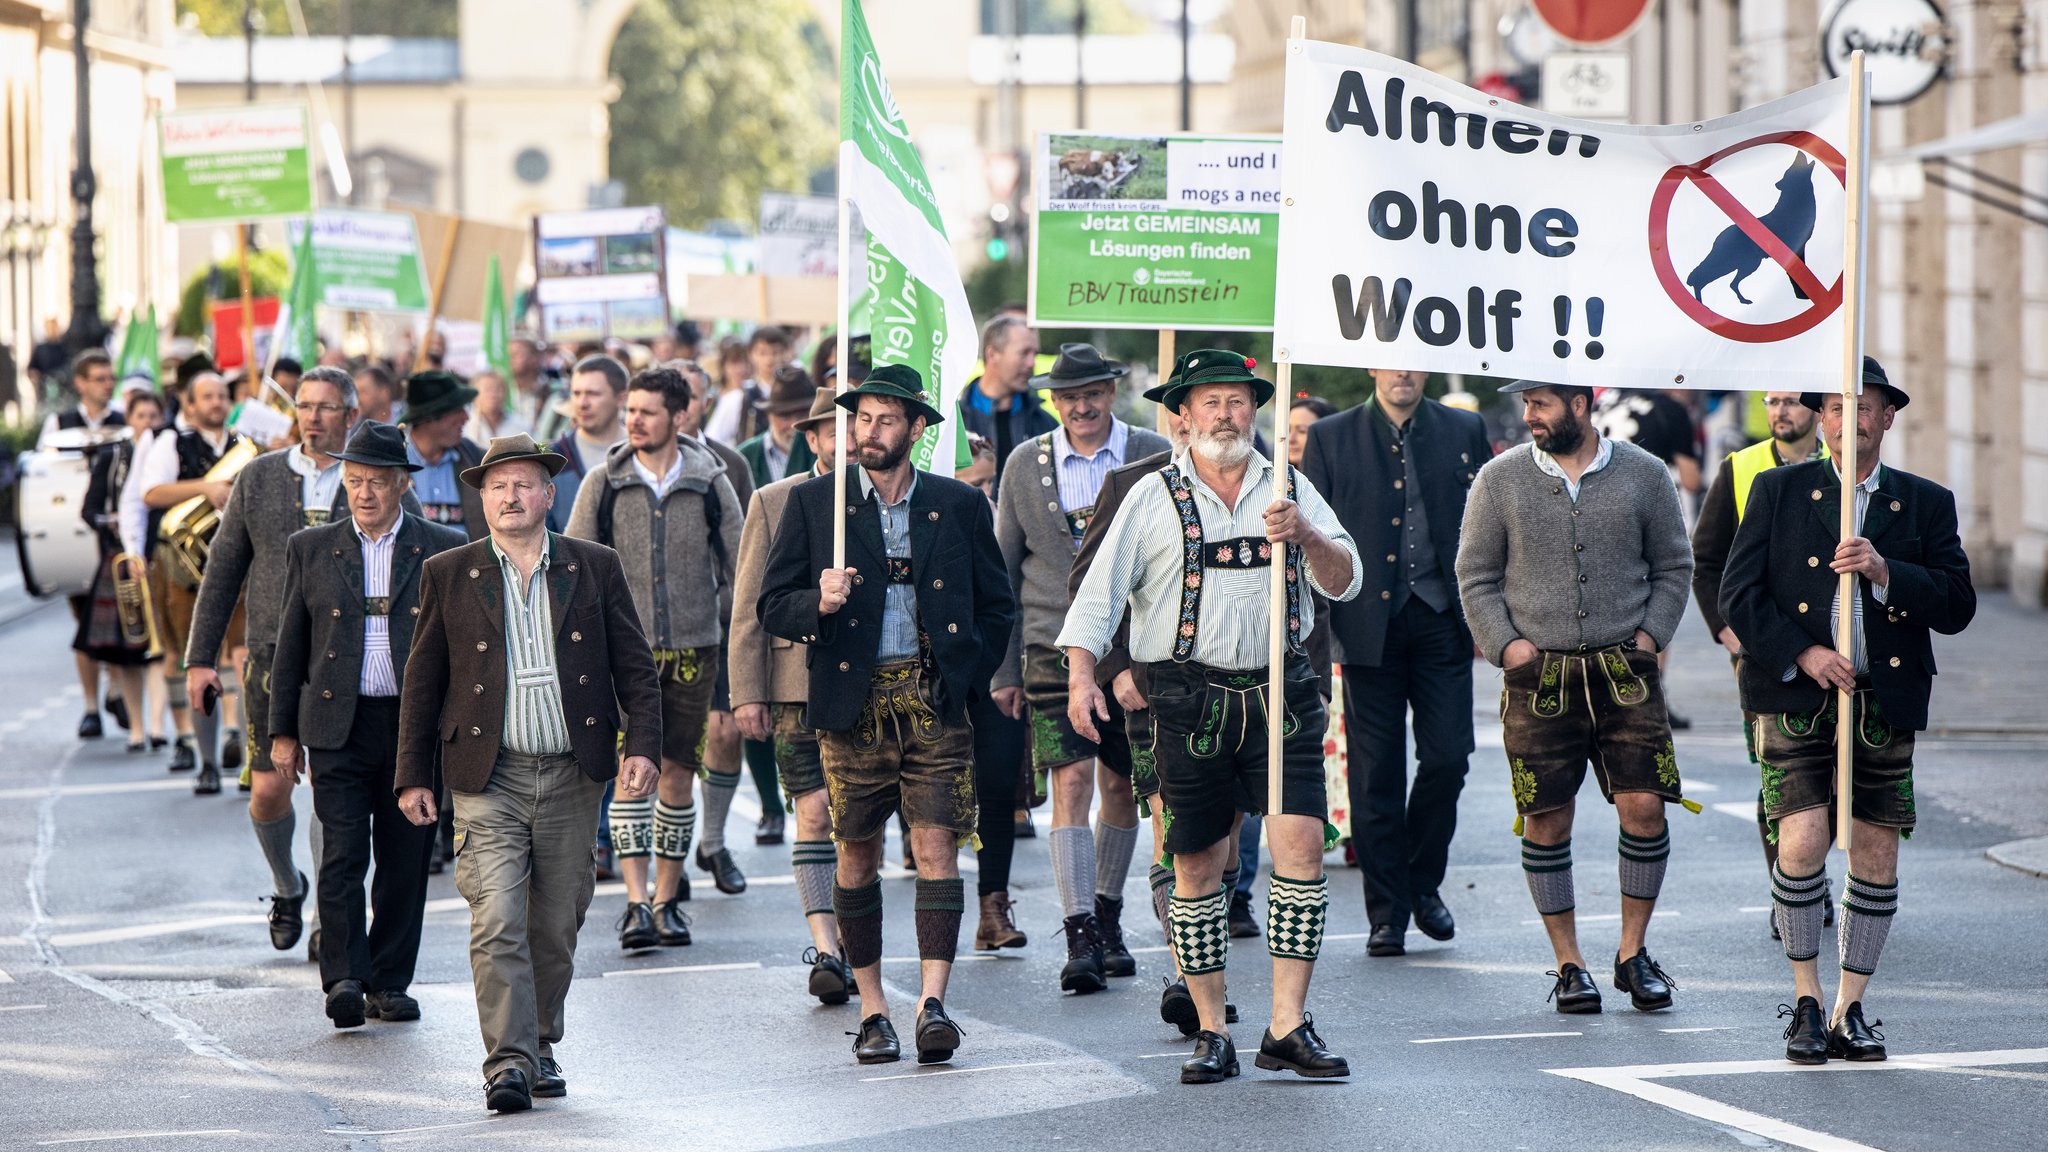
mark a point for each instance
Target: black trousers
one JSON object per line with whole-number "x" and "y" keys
{"x": 1002, "y": 748}
{"x": 359, "y": 813}
{"x": 1402, "y": 835}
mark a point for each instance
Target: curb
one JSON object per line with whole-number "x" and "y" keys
{"x": 2029, "y": 856}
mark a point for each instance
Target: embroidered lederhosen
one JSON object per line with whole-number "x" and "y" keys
{"x": 1243, "y": 552}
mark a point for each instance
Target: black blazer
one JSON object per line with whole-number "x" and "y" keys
{"x": 1777, "y": 588}
{"x": 314, "y": 698}
{"x": 1350, "y": 460}
{"x": 964, "y": 602}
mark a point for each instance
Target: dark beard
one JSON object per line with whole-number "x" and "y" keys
{"x": 888, "y": 459}
{"x": 1566, "y": 437}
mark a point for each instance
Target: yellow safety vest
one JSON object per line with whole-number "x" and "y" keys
{"x": 1759, "y": 457}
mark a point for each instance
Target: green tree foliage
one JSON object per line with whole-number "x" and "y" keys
{"x": 720, "y": 100}
{"x": 269, "y": 275}
{"x": 323, "y": 17}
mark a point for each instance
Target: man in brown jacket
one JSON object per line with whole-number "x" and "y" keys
{"x": 527, "y": 650}
{"x": 770, "y": 683}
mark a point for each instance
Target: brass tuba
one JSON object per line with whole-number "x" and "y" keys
{"x": 186, "y": 531}
{"x": 131, "y": 603}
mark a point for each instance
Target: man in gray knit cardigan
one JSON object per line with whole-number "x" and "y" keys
{"x": 1574, "y": 570}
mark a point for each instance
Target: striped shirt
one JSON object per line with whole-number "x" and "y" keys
{"x": 1081, "y": 476}
{"x": 1878, "y": 592}
{"x": 380, "y": 676}
{"x": 534, "y": 723}
{"x": 899, "y": 602}
{"x": 1140, "y": 566}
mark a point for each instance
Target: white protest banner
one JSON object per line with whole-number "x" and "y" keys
{"x": 1428, "y": 226}
{"x": 799, "y": 235}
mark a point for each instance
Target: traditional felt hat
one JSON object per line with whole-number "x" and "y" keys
{"x": 1212, "y": 366}
{"x": 897, "y": 382}
{"x": 1873, "y": 374}
{"x": 430, "y": 395}
{"x": 379, "y": 445}
{"x": 192, "y": 367}
{"x": 789, "y": 393}
{"x": 504, "y": 450}
{"x": 1078, "y": 364}
{"x": 822, "y": 407}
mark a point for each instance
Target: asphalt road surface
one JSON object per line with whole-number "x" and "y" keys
{"x": 143, "y": 1007}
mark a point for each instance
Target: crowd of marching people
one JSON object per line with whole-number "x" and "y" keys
{"x": 539, "y": 626}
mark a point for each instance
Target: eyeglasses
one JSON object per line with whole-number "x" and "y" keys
{"x": 323, "y": 409}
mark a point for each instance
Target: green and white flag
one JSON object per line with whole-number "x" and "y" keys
{"x": 918, "y": 308}
{"x": 298, "y": 333}
{"x": 497, "y": 341}
{"x": 138, "y": 348}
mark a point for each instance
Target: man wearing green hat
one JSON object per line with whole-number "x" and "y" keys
{"x": 1191, "y": 555}
{"x": 902, "y": 632}
{"x": 436, "y": 408}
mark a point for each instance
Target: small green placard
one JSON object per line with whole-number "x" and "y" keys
{"x": 249, "y": 162}
{"x": 1155, "y": 232}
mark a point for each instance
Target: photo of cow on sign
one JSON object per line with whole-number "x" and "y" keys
{"x": 1429, "y": 226}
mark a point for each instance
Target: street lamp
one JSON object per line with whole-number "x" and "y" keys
{"x": 86, "y": 330}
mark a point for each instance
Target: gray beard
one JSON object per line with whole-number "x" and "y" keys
{"x": 1221, "y": 453}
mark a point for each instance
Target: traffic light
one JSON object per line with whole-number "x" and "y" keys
{"x": 998, "y": 249}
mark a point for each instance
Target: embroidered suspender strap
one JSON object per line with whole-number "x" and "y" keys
{"x": 1244, "y": 552}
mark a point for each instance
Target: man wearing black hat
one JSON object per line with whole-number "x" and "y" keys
{"x": 1780, "y": 593}
{"x": 351, "y": 590}
{"x": 901, "y": 636}
{"x": 1045, "y": 500}
{"x": 779, "y": 451}
{"x": 1191, "y": 553}
{"x": 436, "y": 408}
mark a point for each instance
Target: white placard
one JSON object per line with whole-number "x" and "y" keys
{"x": 799, "y": 235}
{"x": 1429, "y": 226}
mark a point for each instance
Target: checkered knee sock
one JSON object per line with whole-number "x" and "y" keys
{"x": 1162, "y": 893}
{"x": 1201, "y": 932}
{"x": 632, "y": 828}
{"x": 1867, "y": 910}
{"x": 1642, "y": 864}
{"x": 860, "y": 922}
{"x": 1295, "y": 911}
{"x": 672, "y": 828}
{"x": 813, "y": 862}
{"x": 718, "y": 791}
{"x": 1798, "y": 901}
{"x": 939, "y": 905}
{"x": 1548, "y": 869}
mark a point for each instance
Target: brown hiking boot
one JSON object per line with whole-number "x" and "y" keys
{"x": 998, "y": 929}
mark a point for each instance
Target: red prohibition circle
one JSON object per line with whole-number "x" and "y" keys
{"x": 1821, "y": 304}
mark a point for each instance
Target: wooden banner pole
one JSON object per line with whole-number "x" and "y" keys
{"x": 1276, "y": 598}
{"x": 843, "y": 352}
{"x": 1852, "y": 374}
{"x": 440, "y": 284}
{"x": 249, "y": 366}
{"x": 1166, "y": 355}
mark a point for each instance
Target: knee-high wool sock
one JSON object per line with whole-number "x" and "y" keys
{"x": 939, "y": 906}
{"x": 1201, "y": 932}
{"x": 860, "y": 922}
{"x": 1073, "y": 869}
{"x": 1798, "y": 906}
{"x": 1548, "y": 869}
{"x": 1114, "y": 848}
{"x": 1295, "y": 912}
{"x": 813, "y": 862}
{"x": 718, "y": 790}
{"x": 1642, "y": 864}
{"x": 1867, "y": 911}
{"x": 672, "y": 828}
{"x": 1162, "y": 894}
{"x": 275, "y": 838}
{"x": 632, "y": 828}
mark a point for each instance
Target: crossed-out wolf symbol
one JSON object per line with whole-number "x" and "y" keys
{"x": 1790, "y": 220}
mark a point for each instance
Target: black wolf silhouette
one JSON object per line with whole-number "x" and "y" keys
{"x": 1790, "y": 220}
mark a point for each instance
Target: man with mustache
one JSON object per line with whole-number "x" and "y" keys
{"x": 1573, "y": 568}
{"x": 1191, "y": 553}
{"x": 1045, "y": 500}
{"x": 900, "y": 638}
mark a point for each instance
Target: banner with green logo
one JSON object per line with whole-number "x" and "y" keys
{"x": 249, "y": 162}
{"x": 1155, "y": 231}
{"x": 366, "y": 261}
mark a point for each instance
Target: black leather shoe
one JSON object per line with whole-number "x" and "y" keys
{"x": 158, "y": 743}
{"x": 1432, "y": 917}
{"x": 671, "y": 927}
{"x": 231, "y": 751}
{"x": 1852, "y": 1039}
{"x": 208, "y": 783}
{"x": 89, "y": 726}
{"x": 118, "y": 709}
{"x": 345, "y": 1004}
{"x": 1229, "y": 1012}
{"x": 1679, "y": 723}
{"x": 391, "y": 1005}
{"x": 550, "y": 1083}
{"x": 1806, "y": 1037}
{"x": 183, "y": 758}
{"x": 1647, "y": 986}
{"x": 937, "y": 1036}
{"x": 1177, "y": 1007}
{"x": 507, "y": 1092}
{"x": 1023, "y": 828}
{"x": 636, "y": 928}
{"x": 769, "y": 830}
{"x": 1301, "y": 1052}
{"x": 1083, "y": 973}
{"x": 1109, "y": 932}
{"x": 1243, "y": 925}
{"x": 1386, "y": 940}
{"x": 724, "y": 872}
{"x": 683, "y": 888}
{"x": 1575, "y": 992}
{"x": 287, "y": 917}
{"x": 876, "y": 1042}
{"x": 831, "y": 980}
{"x": 1214, "y": 1061}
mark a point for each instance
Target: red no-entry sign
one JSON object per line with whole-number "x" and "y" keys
{"x": 1591, "y": 21}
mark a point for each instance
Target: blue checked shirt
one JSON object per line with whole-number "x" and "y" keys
{"x": 899, "y": 603}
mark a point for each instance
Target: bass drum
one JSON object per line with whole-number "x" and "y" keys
{"x": 59, "y": 554}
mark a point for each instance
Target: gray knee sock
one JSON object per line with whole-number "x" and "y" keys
{"x": 1073, "y": 869}
{"x": 1642, "y": 864}
{"x": 1114, "y": 848}
{"x": 206, "y": 731}
{"x": 1798, "y": 908}
{"x": 718, "y": 790}
{"x": 1867, "y": 910}
{"x": 814, "y": 861}
{"x": 1548, "y": 869}
{"x": 1162, "y": 895}
{"x": 275, "y": 838}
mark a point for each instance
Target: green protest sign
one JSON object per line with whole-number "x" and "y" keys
{"x": 1155, "y": 231}
{"x": 248, "y": 162}
{"x": 367, "y": 261}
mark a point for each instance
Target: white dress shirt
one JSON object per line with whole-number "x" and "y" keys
{"x": 380, "y": 676}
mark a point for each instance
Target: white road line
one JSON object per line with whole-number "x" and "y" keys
{"x": 108, "y": 789}
{"x": 147, "y": 931}
{"x": 5, "y": 978}
{"x": 1497, "y": 1036}
{"x": 747, "y": 966}
{"x": 1713, "y": 1028}
{"x": 1701, "y": 786}
{"x": 957, "y": 960}
{"x": 406, "y": 1131}
{"x": 140, "y": 1136}
{"x": 1610, "y": 917}
{"x": 1163, "y": 1056}
{"x": 957, "y": 1071}
{"x": 1746, "y": 909}
{"x": 1744, "y": 811}
{"x": 22, "y": 1007}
